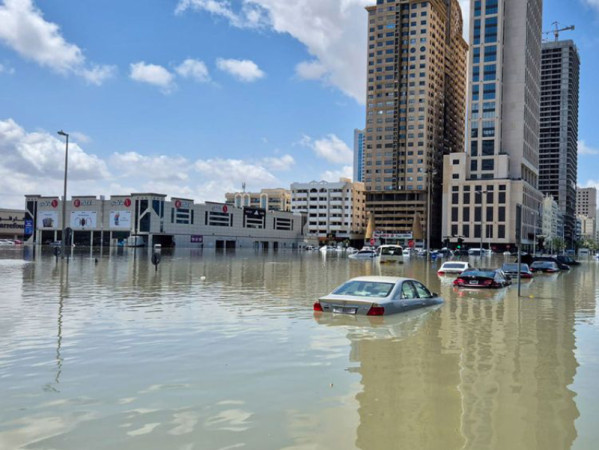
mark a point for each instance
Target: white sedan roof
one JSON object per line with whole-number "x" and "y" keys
{"x": 380, "y": 279}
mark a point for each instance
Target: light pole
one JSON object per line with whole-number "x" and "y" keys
{"x": 64, "y": 195}
{"x": 482, "y": 218}
{"x": 429, "y": 173}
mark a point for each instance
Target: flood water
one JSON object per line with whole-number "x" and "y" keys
{"x": 223, "y": 351}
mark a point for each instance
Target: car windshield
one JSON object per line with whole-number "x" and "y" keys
{"x": 454, "y": 265}
{"x": 365, "y": 289}
{"x": 391, "y": 250}
{"x": 479, "y": 273}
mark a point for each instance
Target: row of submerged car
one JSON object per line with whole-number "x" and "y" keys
{"x": 468, "y": 276}
{"x": 383, "y": 295}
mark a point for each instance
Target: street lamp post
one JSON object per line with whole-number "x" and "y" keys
{"x": 64, "y": 195}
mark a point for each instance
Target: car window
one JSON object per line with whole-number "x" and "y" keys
{"x": 365, "y": 289}
{"x": 422, "y": 291}
{"x": 408, "y": 291}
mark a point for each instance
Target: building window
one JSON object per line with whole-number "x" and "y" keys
{"x": 501, "y": 231}
{"x": 489, "y": 91}
{"x": 501, "y": 212}
{"x": 454, "y": 214}
{"x": 491, "y": 53}
{"x": 466, "y": 214}
{"x": 488, "y": 164}
{"x": 488, "y": 148}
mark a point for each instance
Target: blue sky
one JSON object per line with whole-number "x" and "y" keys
{"x": 193, "y": 97}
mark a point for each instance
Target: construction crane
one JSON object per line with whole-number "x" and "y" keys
{"x": 557, "y": 30}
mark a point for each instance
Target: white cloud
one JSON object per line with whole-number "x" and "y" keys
{"x": 154, "y": 168}
{"x": 592, "y": 3}
{"x": 335, "y": 175}
{"x": 235, "y": 170}
{"x": 33, "y": 162}
{"x": 243, "y": 70}
{"x": 283, "y": 163}
{"x": 24, "y": 30}
{"x": 333, "y": 31}
{"x": 6, "y": 69}
{"x": 330, "y": 148}
{"x": 251, "y": 15}
{"x": 310, "y": 70}
{"x": 77, "y": 136}
{"x": 152, "y": 74}
{"x": 584, "y": 149}
{"x": 194, "y": 69}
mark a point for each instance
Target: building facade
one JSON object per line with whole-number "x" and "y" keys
{"x": 334, "y": 210}
{"x": 12, "y": 224}
{"x": 358, "y": 155}
{"x": 483, "y": 188}
{"x": 558, "y": 155}
{"x": 153, "y": 219}
{"x": 551, "y": 226}
{"x": 586, "y": 202}
{"x": 588, "y": 227}
{"x": 415, "y": 108}
{"x": 269, "y": 199}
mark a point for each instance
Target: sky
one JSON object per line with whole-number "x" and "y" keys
{"x": 192, "y": 98}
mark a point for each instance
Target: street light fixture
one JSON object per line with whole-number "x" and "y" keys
{"x": 64, "y": 196}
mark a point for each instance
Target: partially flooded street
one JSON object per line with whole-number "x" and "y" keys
{"x": 223, "y": 350}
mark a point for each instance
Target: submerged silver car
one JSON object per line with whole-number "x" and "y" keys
{"x": 377, "y": 296}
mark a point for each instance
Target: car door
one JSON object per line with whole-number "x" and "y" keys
{"x": 408, "y": 296}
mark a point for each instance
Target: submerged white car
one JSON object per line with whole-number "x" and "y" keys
{"x": 377, "y": 296}
{"x": 453, "y": 267}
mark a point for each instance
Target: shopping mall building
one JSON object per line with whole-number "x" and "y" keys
{"x": 149, "y": 219}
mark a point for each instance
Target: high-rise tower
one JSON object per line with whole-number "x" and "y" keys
{"x": 415, "y": 108}
{"x": 558, "y": 158}
{"x": 500, "y": 170}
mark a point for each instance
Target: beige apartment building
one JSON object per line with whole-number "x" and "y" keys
{"x": 278, "y": 199}
{"x": 483, "y": 187}
{"x": 415, "y": 108}
{"x": 334, "y": 210}
{"x": 586, "y": 202}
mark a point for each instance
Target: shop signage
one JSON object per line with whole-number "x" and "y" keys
{"x": 121, "y": 202}
{"x": 120, "y": 219}
{"x": 47, "y": 203}
{"x": 197, "y": 239}
{"x": 47, "y": 220}
{"x": 383, "y": 235}
{"x": 81, "y": 220}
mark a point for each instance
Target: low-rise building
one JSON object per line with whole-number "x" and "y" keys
{"x": 153, "y": 219}
{"x": 278, "y": 199}
{"x": 335, "y": 210}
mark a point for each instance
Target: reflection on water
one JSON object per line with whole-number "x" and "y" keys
{"x": 222, "y": 350}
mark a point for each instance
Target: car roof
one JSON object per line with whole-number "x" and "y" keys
{"x": 381, "y": 279}
{"x": 464, "y": 263}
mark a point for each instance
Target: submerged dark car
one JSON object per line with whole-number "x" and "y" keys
{"x": 511, "y": 269}
{"x": 482, "y": 278}
{"x": 544, "y": 266}
{"x": 561, "y": 266}
{"x": 565, "y": 259}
